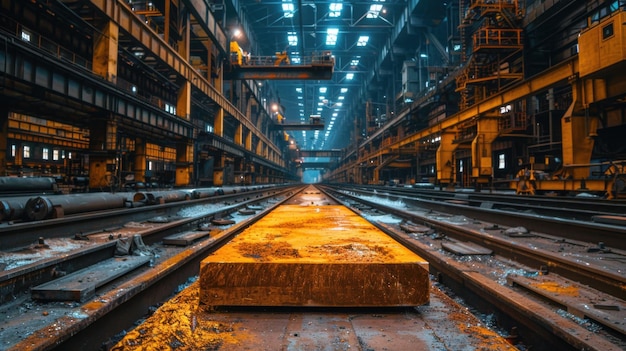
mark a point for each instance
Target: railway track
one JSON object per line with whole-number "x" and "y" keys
{"x": 582, "y": 208}
{"x": 36, "y": 317}
{"x": 586, "y": 220}
{"x": 494, "y": 261}
{"x": 492, "y": 280}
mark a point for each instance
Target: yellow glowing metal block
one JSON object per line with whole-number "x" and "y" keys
{"x": 313, "y": 256}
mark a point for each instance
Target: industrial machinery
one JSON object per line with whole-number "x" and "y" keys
{"x": 597, "y": 102}
{"x": 606, "y": 178}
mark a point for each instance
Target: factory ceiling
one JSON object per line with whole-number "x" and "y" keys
{"x": 369, "y": 40}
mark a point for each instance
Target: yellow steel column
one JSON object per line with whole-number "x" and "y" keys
{"x": 218, "y": 122}
{"x": 183, "y": 103}
{"x": 239, "y": 135}
{"x": 166, "y": 24}
{"x": 140, "y": 160}
{"x": 482, "y": 160}
{"x": 184, "y": 155}
{"x": 248, "y": 140}
{"x": 218, "y": 169}
{"x": 578, "y": 127}
{"x": 445, "y": 158}
{"x": 102, "y": 154}
{"x": 105, "y": 52}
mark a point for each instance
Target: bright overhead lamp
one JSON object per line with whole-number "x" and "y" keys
{"x": 363, "y": 39}
{"x": 292, "y": 38}
{"x": 331, "y": 36}
{"x": 335, "y": 9}
{"x": 288, "y": 9}
{"x": 374, "y": 11}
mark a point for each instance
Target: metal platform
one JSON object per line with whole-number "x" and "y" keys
{"x": 308, "y": 72}
{"x": 300, "y": 126}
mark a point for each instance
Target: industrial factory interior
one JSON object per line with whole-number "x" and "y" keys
{"x": 456, "y": 93}
{"x": 133, "y": 105}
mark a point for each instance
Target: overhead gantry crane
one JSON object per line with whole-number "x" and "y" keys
{"x": 318, "y": 66}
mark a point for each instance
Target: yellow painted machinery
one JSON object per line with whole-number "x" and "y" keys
{"x": 597, "y": 92}
{"x": 606, "y": 178}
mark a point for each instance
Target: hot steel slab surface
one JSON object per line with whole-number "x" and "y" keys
{"x": 309, "y": 255}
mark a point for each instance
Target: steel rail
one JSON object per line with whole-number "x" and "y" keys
{"x": 119, "y": 305}
{"x": 600, "y": 279}
{"x": 519, "y": 215}
{"x": 536, "y": 320}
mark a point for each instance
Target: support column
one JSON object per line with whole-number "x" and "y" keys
{"x": 239, "y": 135}
{"x": 102, "y": 154}
{"x": 579, "y": 127}
{"x": 166, "y": 24}
{"x": 105, "y": 52}
{"x": 218, "y": 170}
{"x": 482, "y": 150}
{"x": 183, "y": 102}
{"x": 261, "y": 175}
{"x": 240, "y": 170}
{"x": 218, "y": 123}
{"x": 248, "y": 140}
{"x": 140, "y": 160}
{"x": 218, "y": 81}
{"x": 250, "y": 175}
{"x": 184, "y": 157}
{"x": 259, "y": 149}
{"x": 445, "y": 158}
{"x": 4, "y": 141}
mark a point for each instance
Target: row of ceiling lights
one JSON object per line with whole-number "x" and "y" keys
{"x": 332, "y": 33}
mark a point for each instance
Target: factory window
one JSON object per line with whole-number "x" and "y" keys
{"x": 26, "y": 151}
{"x": 607, "y": 31}
{"x": 25, "y": 36}
{"x": 13, "y": 150}
{"x": 45, "y": 153}
{"x": 501, "y": 161}
{"x": 170, "y": 108}
{"x": 614, "y": 6}
{"x": 55, "y": 155}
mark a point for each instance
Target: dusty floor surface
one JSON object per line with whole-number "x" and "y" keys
{"x": 441, "y": 325}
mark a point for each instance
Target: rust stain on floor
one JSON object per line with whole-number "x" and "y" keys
{"x": 180, "y": 325}
{"x": 557, "y": 288}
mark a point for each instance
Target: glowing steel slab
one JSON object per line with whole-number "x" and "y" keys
{"x": 313, "y": 256}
